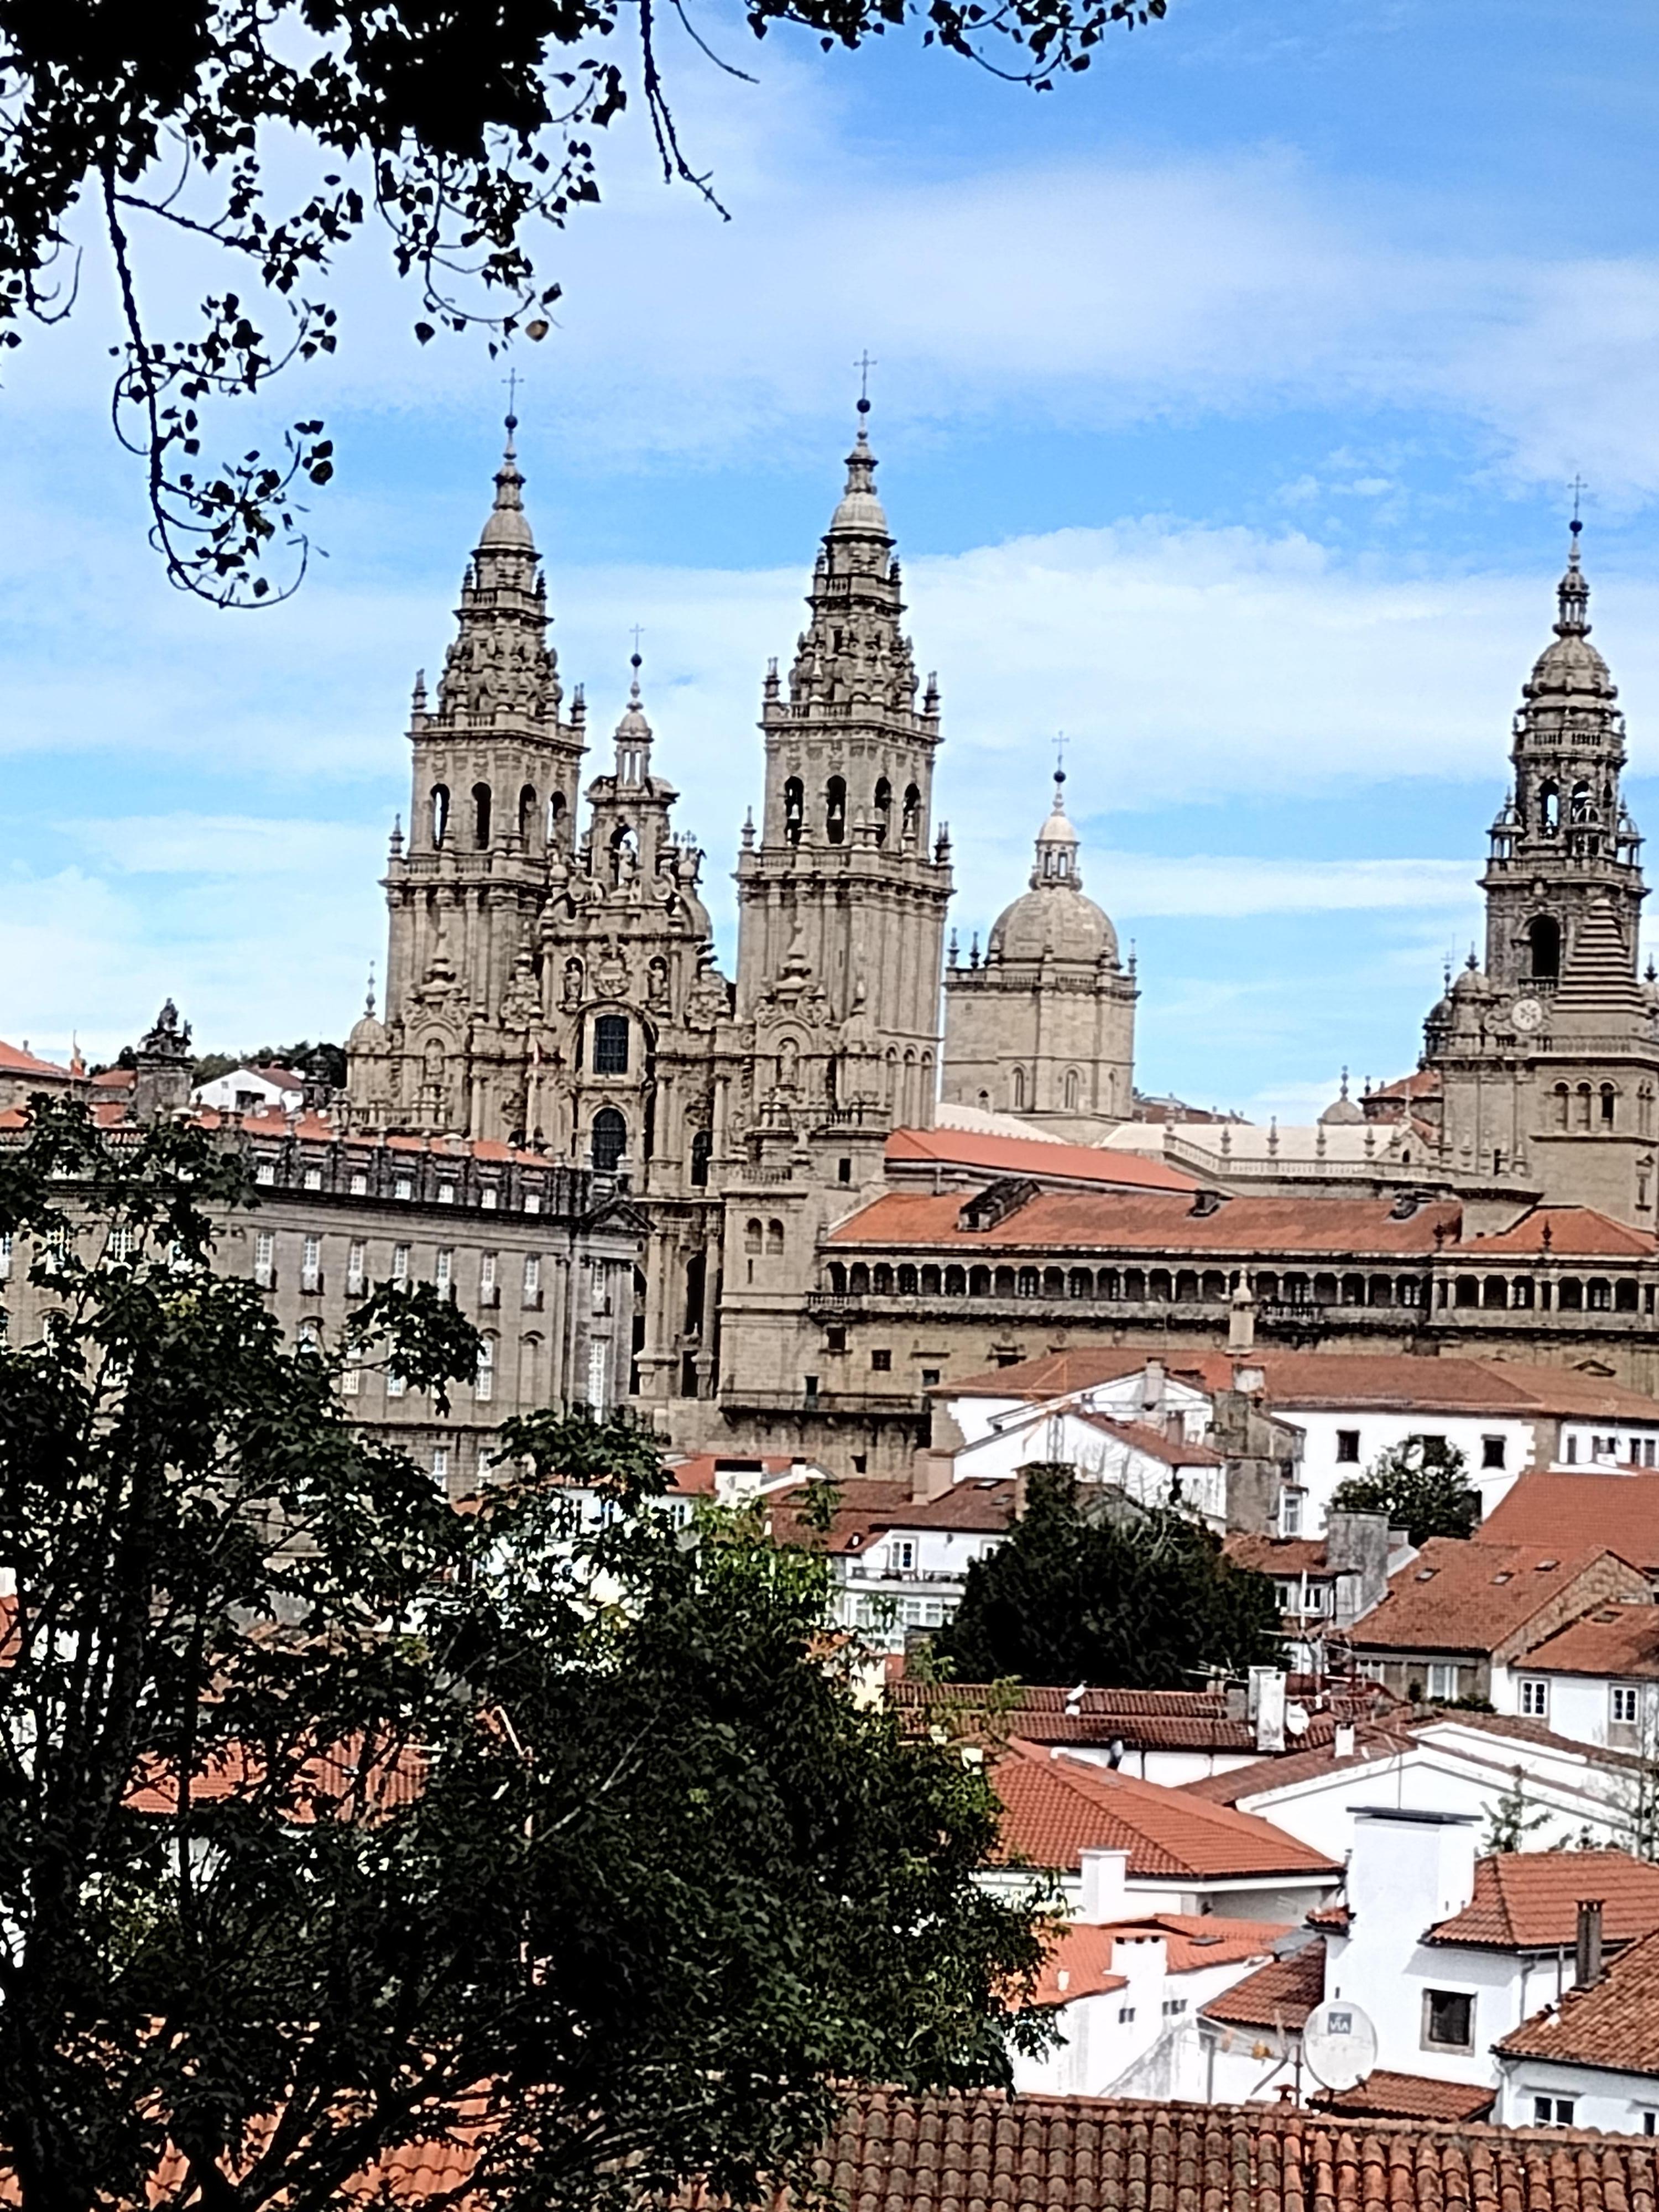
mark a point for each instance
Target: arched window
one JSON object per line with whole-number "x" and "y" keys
{"x": 911, "y": 813}
{"x": 1561, "y": 1096}
{"x": 985, "y": 1101}
{"x": 794, "y": 809}
{"x": 527, "y": 812}
{"x": 1583, "y": 1106}
{"x": 1644, "y": 1109}
{"x": 907, "y": 1281}
{"x": 1017, "y": 1090}
{"x": 956, "y": 1283}
{"x": 624, "y": 854}
{"x": 1609, "y": 1105}
{"x": 931, "y": 1282}
{"x": 554, "y": 818}
{"x": 1549, "y": 808}
{"x": 774, "y": 1240}
{"x": 881, "y": 1279}
{"x": 1580, "y": 806}
{"x": 696, "y": 1282}
{"x": 837, "y": 1279}
{"x": 834, "y": 809}
{"x": 883, "y": 808}
{"x": 1073, "y": 1085}
{"x": 610, "y": 1139}
{"x": 1495, "y": 1290}
{"x": 1053, "y": 1282}
{"x": 1600, "y": 1295}
{"x": 1029, "y": 1282}
{"x": 1544, "y": 936}
{"x": 440, "y": 813}
{"x": 481, "y": 814}
{"x": 753, "y": 1235}
{"x": 700, "y": 1144}
{"x": 979, "y": 1283}
{"x": 611, "y": 1044}
{"x": 858, "y": 1280}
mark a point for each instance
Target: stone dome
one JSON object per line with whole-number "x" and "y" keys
{"x": 507, "y": 526}
{"x": 1054, "y": 918}
{"x": 1341, "y": 1113}
{"x": 860, "y": 510}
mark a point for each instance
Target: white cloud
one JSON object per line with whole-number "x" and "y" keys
{"x": 1138, "y": 884}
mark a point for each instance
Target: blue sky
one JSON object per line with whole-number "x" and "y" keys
{"x": 1226, "y": 398}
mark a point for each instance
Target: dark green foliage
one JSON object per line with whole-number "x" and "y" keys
{"x": 1421, "y": 1485}
{"x": 650, "y": 1871}
{"x": 1079, "y": 1594}
{"x": 461, "y": 127}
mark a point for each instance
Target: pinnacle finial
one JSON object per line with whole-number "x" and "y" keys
{"x": 1572, "y": 593}
{"x": 369, "y": 996}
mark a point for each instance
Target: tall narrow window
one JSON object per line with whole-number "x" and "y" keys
{"x": 483, "y": 1382}
{"x": 481, "y": 814}
{"x": 912, "y": 811}
{"x": 610, "y": 1139}
{"x": 395, "y": 1385}
{"x": 1544, "y": 939}
{"x": 526, "y": 813}
{"x": 440, "y": 813}
{"x": 400, "y": 1263}
{"x": 487, "y": 1279}
{"x": 1608, "y": 1097}
{"x": 532, "y": 1279}
{"x": 794, "y": 809}
{"x": 834, "y": 809}
{"x": 883, "y": 808}
{"x": 554, "y": 818}
{"x": 1017, "y": 1090}
{"x": 443, "y": 1273}
{"x": 700, "y": 1148}
{"x": 611, "y": 1044}
{"x": 310, "y": 1264}
{"x": 356, "y": 1264}
{"x": 264, "y": 1259}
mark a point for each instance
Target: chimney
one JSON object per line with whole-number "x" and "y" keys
{"x": 1342, "y": 1740}
{"x": 1268, "y": 1707}
{"x": 1587, "y": 1954}
{"x": 1151, "y": 1392}
{"x": 1103, "y": 1897}
{"x": 932, "y": 1473}
{"x": 1241, "y": 1322}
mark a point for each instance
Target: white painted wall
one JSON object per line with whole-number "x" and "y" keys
{"x": 1620, "y": 2104}
{"x": 1576, "y": 1705}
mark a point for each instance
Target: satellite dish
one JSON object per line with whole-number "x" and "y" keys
{"x": 1295, "y": 1720}
{"x": 1338, "y": 2042}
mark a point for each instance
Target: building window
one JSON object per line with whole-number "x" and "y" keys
{"x": 445, "y": 1194}
{"x": 400, "y": 1263}
{"x": 533, "y": 1198}
{"x": 440, "y": 1463}
{"x": 488, "y": 1197}
{"x": 483, "y": 1381}
{"x": 1621, "y": 1705}
{"x": 835, "y": 1340}
{"x": 881, "y": 1361}
{"x": 1174, "y": 2007}
{"x": 403, "y": 1187}
{"x": 5, "y": 1257}
{"x": 1318, "y": 1597}
{"x": 394, "y": 1383}
{"x": 611, "y": 1044}
{"x": 1348, "y": 1447}
{"x": 532, "y": 1279}
{"x": 810, "y": 1389}
{"x": 443, "y": 1271}
{"x": 310, "y": 1264}
{"x": 356, "y": 1259}
{"x": 351, "y": 1379}
{"x": 930, "y": 1376}
{"x": 700, "y": 1148}
{"x": 904, "y": 1555}
{"x": 264, "y": 1259}
{"x": 1125, "y": 2015}
{"x": 1572, "y": 1454}
{"x": 1535, "y": 1698}
{"x": 265, "y": 1173}
{"x": 1290, "y": 1503}
{"x": 487, "y": 1294}
{"x": 360, "y": 1185}
{"x": 599, "y": 1356}
{"x": 1492, "y": 1450}
{"x": 1444, "y": 1681}
{"x": 1649, "y": 2121}
{"x": 609, "y": 1140}
{"x": 314, "y": 1179}
{"x": 1448, "y": 2021}
{"x": 1558, "y": 2111}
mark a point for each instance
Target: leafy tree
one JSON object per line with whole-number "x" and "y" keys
{"x": 1420, "y": 1485}
{"x": 333, "y": 1819}
{"x": 461, "y": 128}
{"x": 1079, "y": 1593}
{"x": 1513, "y": 1817}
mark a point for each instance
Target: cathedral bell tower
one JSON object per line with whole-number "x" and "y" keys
{"x": 843, "y": 895}
{"x": 495, "y": 771}
{"x": 1548, "y": 1058}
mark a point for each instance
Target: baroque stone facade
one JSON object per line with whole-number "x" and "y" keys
{"x": 550, "y": 976}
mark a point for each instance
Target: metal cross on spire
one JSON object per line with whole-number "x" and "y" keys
{"x": 636, "y": 634}
{"x": 1578, "y": 488}
{"x": 1060, "y": 742}
{"x": 511, "y": 380}
{"x": 864, "y": 364}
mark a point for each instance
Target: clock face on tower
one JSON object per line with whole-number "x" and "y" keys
{"x": 1526, "y": 1014}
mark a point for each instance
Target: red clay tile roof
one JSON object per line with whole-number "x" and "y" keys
{"x": 1279, "y": 1995}
{"x": 1528, "y": 1900}
{"x": 1145, "y": 1720}
{"x": 1615, "y": 1640}
{"x": 1329, "y": 1915}
{"x": 693, "y": 1476}
{"x": 1339, "y": 1381}
{"x": 1619, "y": 1510}
{"x": 1467, "y": 1597}
{"x": 13, "y": 1060}
{"x": 1151, "y": 1222}
{"x": 1084, "y": 1950}
{"x": 1373, "y": 1740}
{"x": 1422, "y": 1083}
{"x": 982, "y": 1504}
{"x": 116, "y": 1078}
{"x": 1574, "y": 1232}
{"x": 1055, "y": 1807}
{"x": 1174, "y": 1451}
{"x": 1025, "y": 1156}
{"x": 1279, "y": 1555}
{"x": 1615, "y": 2024}
{"x": 1382, "y": 2095}
{"x": 981, "y": 2150}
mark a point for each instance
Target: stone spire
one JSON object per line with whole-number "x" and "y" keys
{"x": 853, "y": 658}
{"x": 500, "y": 664}
{"x": 633, "y": 735}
